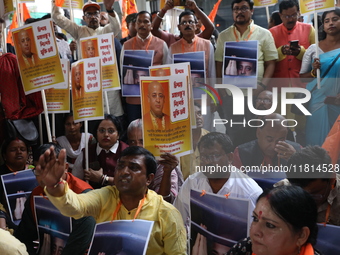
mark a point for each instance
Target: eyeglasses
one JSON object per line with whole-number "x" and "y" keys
{"x": 190, "y": 22}
{"x": 265, "y": 100}
{"x": 294, "y": 16}
{"x": 213, "y": 157}
{"x": 242, "y": 9}
{"x": 104, "y": 130}
{"x": 91, "y": 14}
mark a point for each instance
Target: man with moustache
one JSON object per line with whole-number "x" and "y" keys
{"x": 171, "y": 38}
{"x": 288, "y": 66}
{"x": 290, "y": 57}
{"x": 244, "y": 29}
{"x": 129, "y": 198}
{"x": 190, "y": 42}
{"x": 216, "y": 150}
{"x": 144, "y": 40}
{"x": 91, "y": 17}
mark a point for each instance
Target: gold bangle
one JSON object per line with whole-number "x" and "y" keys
{"x": 312, "y": 73}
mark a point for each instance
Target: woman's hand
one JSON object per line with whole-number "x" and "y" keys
{"x": 316, "y": 65}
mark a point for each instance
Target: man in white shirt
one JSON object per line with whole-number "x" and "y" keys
{"x": 216, "y": 156}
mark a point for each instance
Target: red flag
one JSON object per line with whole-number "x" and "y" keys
{"x": 332, "y": 142}
{"x": 128, "y": 7}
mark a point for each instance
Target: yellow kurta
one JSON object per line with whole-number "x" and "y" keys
{"x": 168, "y": 235}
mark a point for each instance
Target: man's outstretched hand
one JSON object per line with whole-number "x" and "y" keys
{"x": 51, "y": 169}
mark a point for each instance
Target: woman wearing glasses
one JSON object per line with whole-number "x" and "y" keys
{"x": 103, "y": 155}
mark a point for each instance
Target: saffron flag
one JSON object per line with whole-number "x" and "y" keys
{"x": 332, "y": 142}
{"x": 59, "y": 3}
{"x": 213, "y": 12}
{"x": 128, "y": 7}
{"x": 26, "y": 15}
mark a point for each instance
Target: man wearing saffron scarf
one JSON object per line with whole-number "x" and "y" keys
{"x": 128, "y": 199}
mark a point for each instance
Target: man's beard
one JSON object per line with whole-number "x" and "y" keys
{"x": 243, "y": 22}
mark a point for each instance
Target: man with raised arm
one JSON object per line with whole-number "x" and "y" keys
{"x": 171, "y": 38}
{"x": 128, "y": 199}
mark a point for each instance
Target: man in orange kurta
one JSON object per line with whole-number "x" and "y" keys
{"x": 144, "y": 40}
{"x": 289, "y": 63}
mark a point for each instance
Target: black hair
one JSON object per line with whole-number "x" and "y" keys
{"x": 131, "y": 18}
{"x": 286, "y": 4}
{"x": 276, "y": 18}
{"x": 42, "y": 148}
{"x": 67, "y": 115}
{"x": 144, "y": 12}
{"x": 7, "y": 142}
{"x": 209, "y": 139}
{"x": 2, "y": 20}
{"x": 250, "y": 2}
{"x": 322, "y": 33}
{"x": 295, "y": 207}
{"x": 149, "y": 159}
{"x": 314, "y": 157}
{"x": 116, "y": 121}
{"x": 185, "y": 13}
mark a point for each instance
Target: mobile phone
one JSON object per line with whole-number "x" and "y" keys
{"x": 179, "y": 2}
{"x": 294, "y": 44}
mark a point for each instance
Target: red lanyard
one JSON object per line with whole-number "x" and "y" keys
{"x": 195, "y": 44}
{"x": 250, "y": 33}
{"x": 141, "y": 203}
{"x": 135, "y": 41}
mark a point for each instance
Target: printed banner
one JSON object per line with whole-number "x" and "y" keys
{"x": 38, "y": 56}
{"x": 197, "y": 67}
{"x": 309, "y": 6}
{"x": 166, "y": 118}
{"x": 209, "y": 213}
{"x": 6, "y": 7}
{"x": 175, "y": 69}
{"x": 240, "y": 64}
{"x": 103, "y": 46}
{"x": 53, "y": 227}
{"x": 87, "y": 94}
{"x": 76, "y": 4}
{"x": 125, "y": 237}
{"x": 136, "y": 64}
{"x": 17, "y": 188}
{"x": 58, "y": 100}
{"x": 264, "y": 3}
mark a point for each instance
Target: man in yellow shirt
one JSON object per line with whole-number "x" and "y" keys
{"x": 129, "y": 199}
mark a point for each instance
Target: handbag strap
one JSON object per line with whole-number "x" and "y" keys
{"x": 328, "y": 69}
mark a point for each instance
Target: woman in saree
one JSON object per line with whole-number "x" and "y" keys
{"x": 324, "y": 105}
